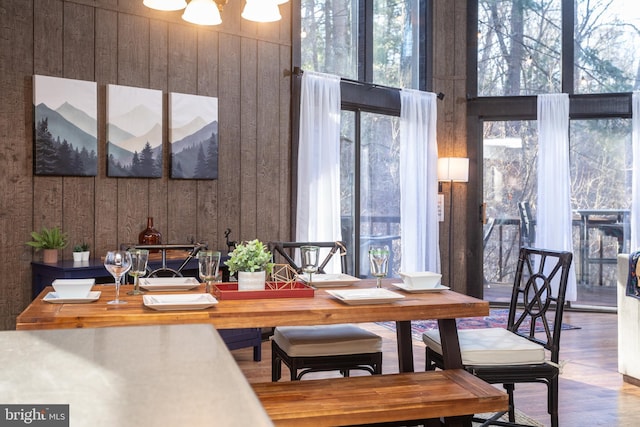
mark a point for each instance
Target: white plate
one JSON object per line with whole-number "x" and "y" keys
{"x": 179, "y": 301}
{"x": 412, "y": 290}
{"x": 366, "y": 296}
{"x": 329, "y": 280}
{"x": 52, "y": 297}
{"x": 168, "y": 283}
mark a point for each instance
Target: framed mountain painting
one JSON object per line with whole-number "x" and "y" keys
{"x": 65, "y": 127}
{"x": 193, "y": 135}
{"x": 134, "y": 132}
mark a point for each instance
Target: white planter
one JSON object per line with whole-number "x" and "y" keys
{"x": 251, "y": 281}
{"x": 77, "y": 256}
{"x": 85, "y": 255}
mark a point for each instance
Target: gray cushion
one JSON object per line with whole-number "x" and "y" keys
{"x": 326, "y": 340}
{"x": 491, "y": 346}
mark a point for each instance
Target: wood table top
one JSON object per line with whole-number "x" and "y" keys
{"x": 322, "y": 309}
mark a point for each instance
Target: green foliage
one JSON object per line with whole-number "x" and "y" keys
{"x": 47, "y": 238}
{"x": 250, "y": 256}
{"x": 82, "y": 247}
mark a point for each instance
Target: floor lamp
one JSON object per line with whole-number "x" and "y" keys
{"x": 452, "y": 169}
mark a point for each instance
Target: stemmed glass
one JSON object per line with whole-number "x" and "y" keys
{"x": 309, "y": 255}
{"x": 139, "y": 258}
{"x": 379, "y": 262}
{"x": 117, "y": 263}
{"x": 208, "y": 263}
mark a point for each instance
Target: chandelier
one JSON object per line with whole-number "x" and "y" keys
{"x": 207, "y": 12}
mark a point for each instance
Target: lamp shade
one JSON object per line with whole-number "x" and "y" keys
{"x": 202, "y": 12}
{"x": 165, "y": 4}
{"x": 453, "y": 169}
{"x": 261, "y": 11}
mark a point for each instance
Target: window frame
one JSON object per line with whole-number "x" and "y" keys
{"x": 361, "y": 95}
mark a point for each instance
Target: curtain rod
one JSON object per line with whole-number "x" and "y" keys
{"x": 299, "y": 71}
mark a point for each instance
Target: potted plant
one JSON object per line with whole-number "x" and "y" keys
{"x": 81, "y": 252}
{"x": 49, "y": 241}
{"x": 252, "y": 261}
{"x": 77, "y": 253}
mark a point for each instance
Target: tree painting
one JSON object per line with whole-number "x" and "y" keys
{"x": 193, "y": 135}
{"x": 65, "y": 127}
{"x": 134, "y": 132}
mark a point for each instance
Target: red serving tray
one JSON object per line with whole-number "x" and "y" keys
{"x": 230, "y": 291}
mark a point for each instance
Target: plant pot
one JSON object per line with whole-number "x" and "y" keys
{"x": 251, "y": 281}
{"x": 85, "y": 255}
{"x": 77, "y": 256}
{"x": 50, "y": 256}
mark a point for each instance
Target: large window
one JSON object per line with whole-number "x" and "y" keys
{"x": 579, "y": 47}
{"x": 329, "y": 37}
{"x": 377, "y": 47}
{"x": 520, "y": 50}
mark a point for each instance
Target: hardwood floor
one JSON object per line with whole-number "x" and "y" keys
{"x": 592, "y": 392}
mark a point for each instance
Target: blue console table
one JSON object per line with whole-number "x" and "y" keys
{"x": 44, "y": 274}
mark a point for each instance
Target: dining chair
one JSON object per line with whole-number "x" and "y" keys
{"x": 305, "y": 349}
{"x": 527, "y": 229}
{"x": 528, "y": 349}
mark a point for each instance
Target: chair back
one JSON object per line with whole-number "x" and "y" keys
{"x": 532, "y": 300}
{"x": 286, "y": 250}
{"x": 527, "y": 231}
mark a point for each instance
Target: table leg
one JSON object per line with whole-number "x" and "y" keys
{"x": 450, "y": 344}
{"x": 405, "y": 346}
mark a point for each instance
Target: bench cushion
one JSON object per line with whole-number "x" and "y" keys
{"x": 491, "y": 346}
{"x": 326, "y": 340}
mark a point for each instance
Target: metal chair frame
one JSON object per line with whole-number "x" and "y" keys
{"x": 286, "y": 251}
{"x": 165, "y": 271}
{"x": 531, "y": 299}
{"x": 371, "y": 362}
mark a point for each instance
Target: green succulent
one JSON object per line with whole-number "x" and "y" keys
{"x": 81, "y": 247}
{"x": 47, "y": 238}
{"x": 250, "y": 256}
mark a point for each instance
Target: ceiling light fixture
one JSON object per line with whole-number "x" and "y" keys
{"x": 207, "y": 12}
{"x": 165, "y": 4}
{"x": 261, "y": 11}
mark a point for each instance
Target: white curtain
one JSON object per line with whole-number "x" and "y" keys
{"x": 554, "y": 216}
{"x": 635, "y": 174}
{"x": 419, "y": 182}
{"x": 318, "y": 192}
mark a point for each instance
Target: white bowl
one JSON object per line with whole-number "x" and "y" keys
{"x": 73, "y": 288}
{"x": 421, "y": 279}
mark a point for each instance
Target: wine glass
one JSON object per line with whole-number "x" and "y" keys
{"x": 379, "y": 262}
{"x": 117, "y": 263}
{"x": 139, "y": 258}
{"x": 208, "y": 263}
{"x": 309, "y": 255}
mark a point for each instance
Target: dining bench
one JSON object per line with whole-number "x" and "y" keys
{"x": 377, "y": 399}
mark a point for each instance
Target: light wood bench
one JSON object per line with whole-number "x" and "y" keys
{"x": 379, "y": 398}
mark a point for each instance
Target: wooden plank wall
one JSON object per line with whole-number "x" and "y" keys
{"x": 449, "y": 77}
{"x": 246, "y": 65}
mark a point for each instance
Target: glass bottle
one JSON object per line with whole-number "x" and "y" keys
{"x": 150, "y": 236}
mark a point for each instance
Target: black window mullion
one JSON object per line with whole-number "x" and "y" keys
{"x": 425, "y": 67}
{"x": 365, "y": 50}
{"x": 568, "y": 52}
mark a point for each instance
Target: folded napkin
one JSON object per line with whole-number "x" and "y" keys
{"x": 633, "y": 290}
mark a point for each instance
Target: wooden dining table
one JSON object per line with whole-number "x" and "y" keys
{"x": 320, "y": 309}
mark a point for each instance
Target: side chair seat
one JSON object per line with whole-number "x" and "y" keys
{"x": 324, "y": 348}
{"x": 491, "y": 346}
{"x": 528, "y": 350}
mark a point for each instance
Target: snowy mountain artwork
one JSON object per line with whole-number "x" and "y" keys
{"x": 134, "y": 132}
{"x": 193, "y": 135}
{"x": 65, "y": 127}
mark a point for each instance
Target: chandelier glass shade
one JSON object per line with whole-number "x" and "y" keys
{"x": 207, "y": 12}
